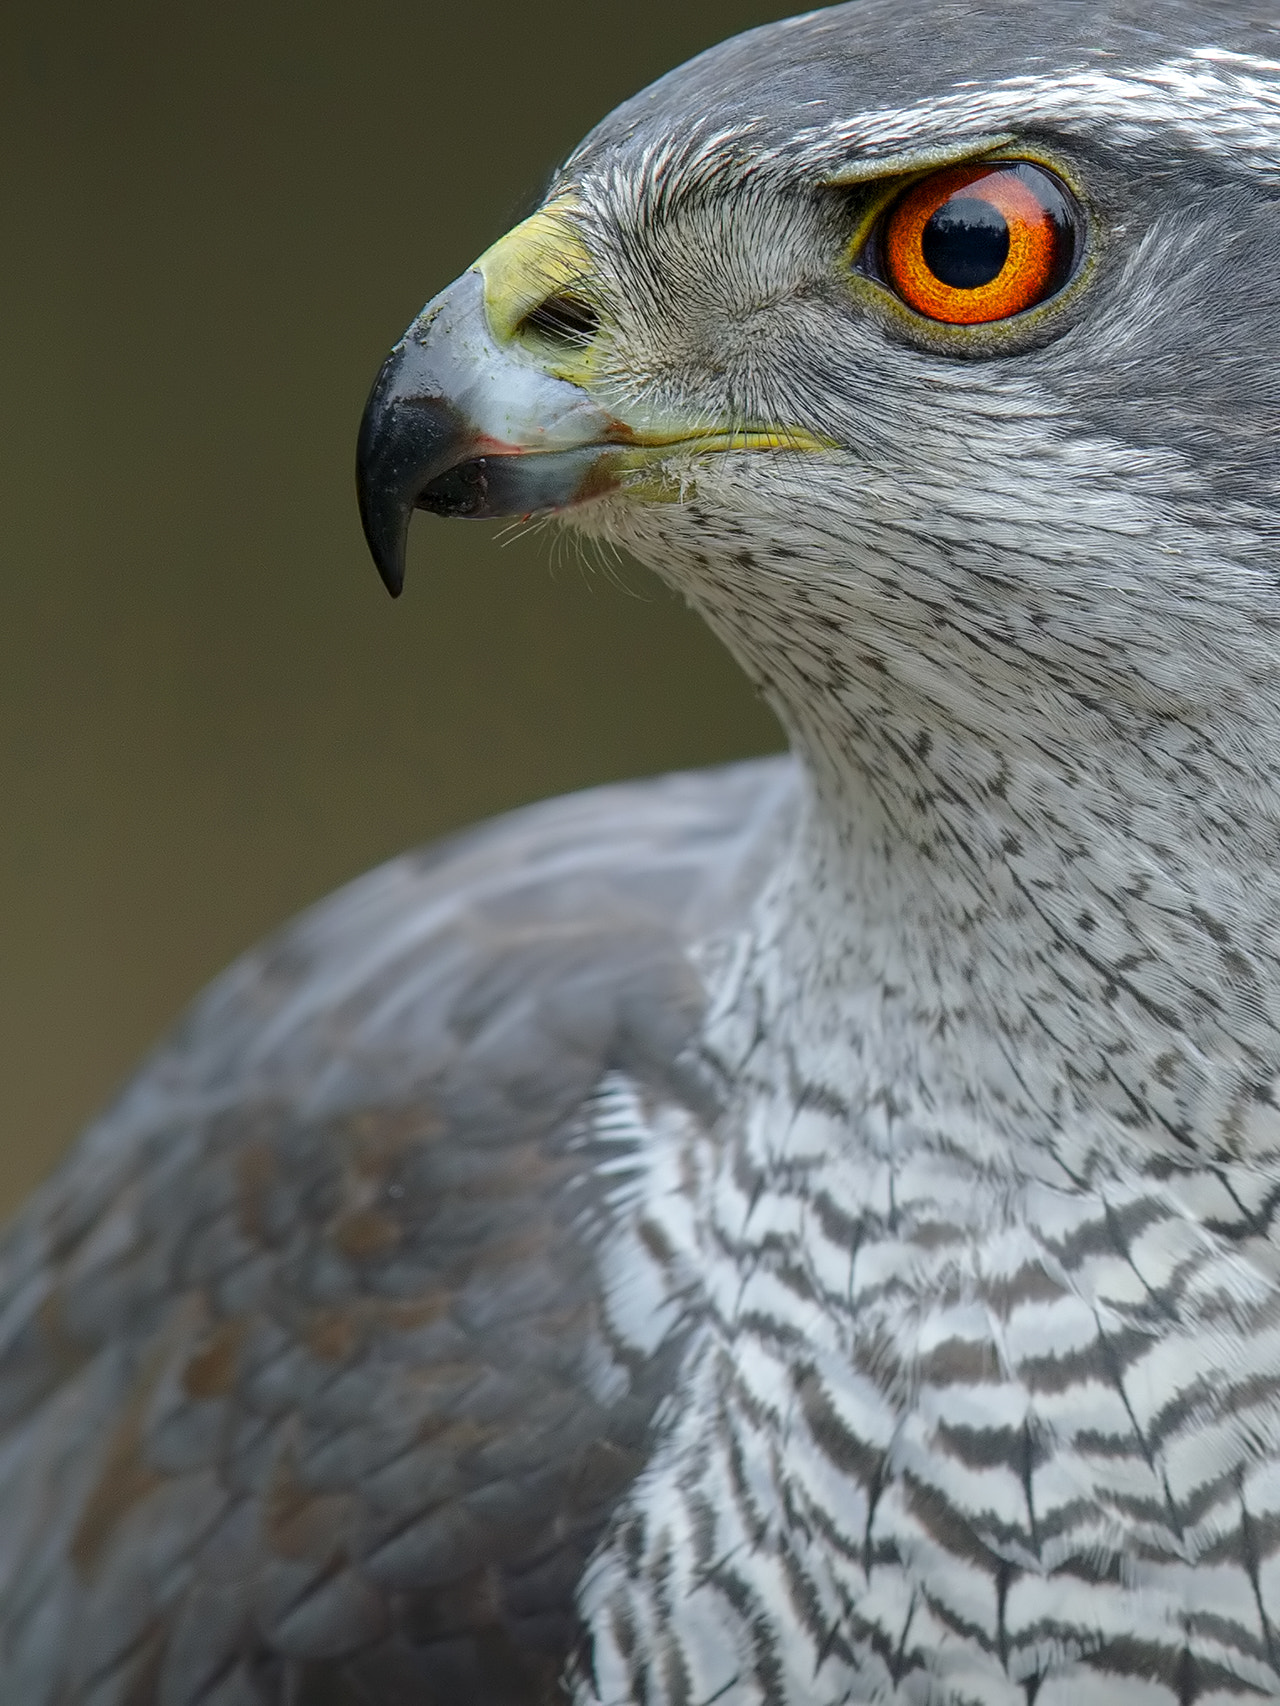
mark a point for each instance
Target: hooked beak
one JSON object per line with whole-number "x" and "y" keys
{"x": 457, "y": 425}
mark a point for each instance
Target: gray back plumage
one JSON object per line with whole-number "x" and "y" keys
{"x": 305, "y": 1388}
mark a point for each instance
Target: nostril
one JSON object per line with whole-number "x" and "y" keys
{"x": 562, "y": 320}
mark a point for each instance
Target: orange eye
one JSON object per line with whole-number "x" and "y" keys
{"x": 979, "y": 243}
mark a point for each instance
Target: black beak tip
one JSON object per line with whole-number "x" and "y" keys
{"x": 385, "y": 508}
{"x": 386, "y": 530}
{"x": 409, "y": 435}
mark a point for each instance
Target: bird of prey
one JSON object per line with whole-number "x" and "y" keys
{"x": 804, "y": 1234}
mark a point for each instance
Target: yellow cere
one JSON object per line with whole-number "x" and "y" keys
{"x": 542, "y": 256}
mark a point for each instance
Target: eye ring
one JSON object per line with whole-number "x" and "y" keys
{"x": 979, "y": 243}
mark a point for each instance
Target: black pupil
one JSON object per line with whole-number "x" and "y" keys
{"x": 966, "y": 243}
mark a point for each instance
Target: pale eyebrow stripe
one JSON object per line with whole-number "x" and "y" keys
{"x": 916, "y": 159}
{"x": 1217, "y": 102}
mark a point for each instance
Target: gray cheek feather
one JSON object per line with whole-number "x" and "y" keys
{"x": 1180, "y": 352}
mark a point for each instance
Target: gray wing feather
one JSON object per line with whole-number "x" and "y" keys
{"x": 295, "y": 1390}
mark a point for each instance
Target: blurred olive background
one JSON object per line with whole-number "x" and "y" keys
{"x": 217, "y": 218}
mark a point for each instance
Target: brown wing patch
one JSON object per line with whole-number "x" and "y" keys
{"x": 366, "y": 1233}
{"x": 301, "y": 1523}
{"x": 126, "y": 1480}
{"x": 306, "y": 1404}
{"x": 211, "y": 1372}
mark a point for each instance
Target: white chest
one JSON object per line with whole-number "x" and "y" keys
{"x": 941, "y": 1435}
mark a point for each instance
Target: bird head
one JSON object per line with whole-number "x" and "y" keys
{"x": 929, "y": 349}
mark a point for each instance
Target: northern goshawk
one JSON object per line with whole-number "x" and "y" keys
{"x": 801, "y": 1235}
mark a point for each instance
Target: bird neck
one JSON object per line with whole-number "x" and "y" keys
{"x": 1036, "y": 882}
{"x": 1043, "y": 932}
